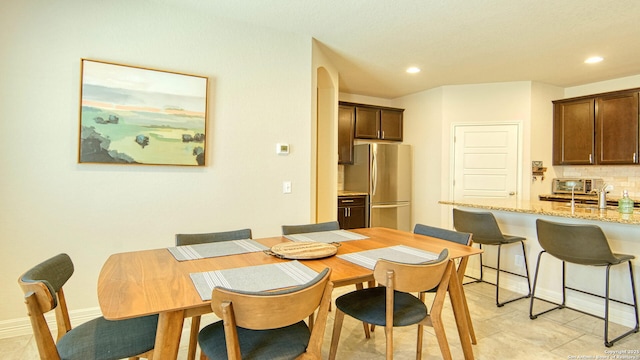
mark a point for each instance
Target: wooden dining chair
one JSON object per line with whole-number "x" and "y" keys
{"x": 268, "y": 325}
{"x": 459, "y": 238}
{"x": 193, "y": 239}
{"x": 98, "y": 339}
{"x": 324, "y": 226}
{"x": 392, "y": 304}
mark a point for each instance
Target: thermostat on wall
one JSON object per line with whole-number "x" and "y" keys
{"x": 282, "y": 149}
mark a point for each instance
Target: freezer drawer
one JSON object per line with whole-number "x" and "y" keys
{"x": 394, "y": 216}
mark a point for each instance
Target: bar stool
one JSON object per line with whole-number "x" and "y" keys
{"x": 485, "y": 230}
{"x": 582, "y": 245}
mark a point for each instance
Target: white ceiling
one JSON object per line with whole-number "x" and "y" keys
{"x": 372, "y": 42}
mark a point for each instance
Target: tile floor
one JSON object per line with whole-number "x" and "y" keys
{"x": 502, "y": 333}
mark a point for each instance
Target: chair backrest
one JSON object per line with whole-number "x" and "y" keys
{"x": 412, "y": 277}
{"x": 482, "y": 225}
{"x": 575, "y": 243}
{"x": 444, "y": 234}
{"x": 272, "y": 310}
{"x": 42, "y": 288}
{"x": 191, "y": 239}
{"x": 301, "y": 229}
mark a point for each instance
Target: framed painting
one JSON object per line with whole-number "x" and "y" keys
{"x": 135, "y": 115}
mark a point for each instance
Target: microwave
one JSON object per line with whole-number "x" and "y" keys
{"x": 579, "y": 186}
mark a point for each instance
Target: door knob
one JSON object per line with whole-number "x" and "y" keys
{"x": 511, "y": 193}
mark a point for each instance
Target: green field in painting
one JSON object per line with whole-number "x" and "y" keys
{"x": 164, "y": 131}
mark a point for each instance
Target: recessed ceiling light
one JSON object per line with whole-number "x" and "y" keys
{"x": 593, "y": 60}
{"x": 413, "y": 70}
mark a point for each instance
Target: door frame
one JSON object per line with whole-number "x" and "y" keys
{"x": 519, "y": 156}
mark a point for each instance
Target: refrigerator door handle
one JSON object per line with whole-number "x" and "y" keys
{"x": 388, "y": 206}
{"x": 374, "y": 171}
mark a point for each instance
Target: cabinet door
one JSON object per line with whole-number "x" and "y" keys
{"x": 356, "y": 218}
{"x": 367, "y": 123}
{"x": 574, "y": 132}
{"x": 346, "y": 124}
{"x": 617, "y": 129}
{"x": 391, "y": 125}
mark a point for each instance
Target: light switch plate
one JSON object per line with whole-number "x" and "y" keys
{"x": 286, "y": 187}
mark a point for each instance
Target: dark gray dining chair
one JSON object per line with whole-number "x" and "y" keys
{"x": 485, "y": 230}
{"x": 97, "y": 339}
{"x": 459, "y": 238}
{"x": 307, "y": 228}
{"x": 582, "y": 244}
{"x": 193, "y": 239}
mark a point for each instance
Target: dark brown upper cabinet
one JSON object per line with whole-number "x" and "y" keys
{"x": 573, "y": 132}
{"x": 377, "y": 122}
{"x": 346, "y": 125}
{"x": 617, "y": 129}
{"x": 597, "y": 129}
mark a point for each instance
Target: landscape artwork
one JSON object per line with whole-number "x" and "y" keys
{"x": 133, "y": 115}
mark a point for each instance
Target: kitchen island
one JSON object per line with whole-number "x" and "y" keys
{"x": 553, "y": 208}
{"x": 519, "y": 218}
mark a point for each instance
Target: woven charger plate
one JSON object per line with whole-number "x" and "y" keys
{"x": 304, "y": 250}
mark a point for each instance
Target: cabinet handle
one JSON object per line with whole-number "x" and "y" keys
{"x": 349, "y": 212}
{"x": 590, "y": 158}
{"x": 634, "y": 157}
{"x": 347, "y": 201}
{"x": 382, "y": 134}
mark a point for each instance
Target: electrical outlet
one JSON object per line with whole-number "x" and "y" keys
{"x": 519, "y": 260}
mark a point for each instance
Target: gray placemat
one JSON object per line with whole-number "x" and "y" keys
{"x": 253, "y": 278}
{"x": 399, "y": 253}
{"x": 326, "y": 236}
{"x": 222, "y": 248}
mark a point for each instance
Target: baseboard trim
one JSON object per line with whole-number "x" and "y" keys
{"x": 22, "y": 326}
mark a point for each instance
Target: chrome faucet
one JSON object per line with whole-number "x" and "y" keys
{"x": 602, "y": 196}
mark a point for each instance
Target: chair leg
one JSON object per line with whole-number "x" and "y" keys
{"x": 498, "y": 271}
{"x": 388, "y": 332}
{"x": 365, "y": 326}
{"x": 498, "y": 304}
{"x": 533, "y": 316}
{"x": 193, "y": 337}
{"x": 335, "y": 336}
{"x": 526, "y": 268}
{"x": 607, "y": 342}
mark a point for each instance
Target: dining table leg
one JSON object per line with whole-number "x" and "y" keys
{"x": 168, "y": 335}
{"x": 459, "y": 312}
{"x": 462, "y": 267}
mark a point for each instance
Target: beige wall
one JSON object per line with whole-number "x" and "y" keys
{"x": 259, "y": 95}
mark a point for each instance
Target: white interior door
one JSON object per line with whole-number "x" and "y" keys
{"x": 486, "y": 161}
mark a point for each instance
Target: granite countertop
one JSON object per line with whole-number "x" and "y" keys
{"x": 551, "y": 208}
{"x": 351, "y": 193}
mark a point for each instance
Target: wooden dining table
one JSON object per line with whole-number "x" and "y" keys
{"x": 146, "y": 282}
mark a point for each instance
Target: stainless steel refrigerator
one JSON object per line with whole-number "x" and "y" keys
{"x": 384, "y": 172}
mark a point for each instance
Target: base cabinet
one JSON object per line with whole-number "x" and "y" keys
{"x": 352, "y": 212}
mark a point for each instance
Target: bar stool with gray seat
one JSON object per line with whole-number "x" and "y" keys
{"x": 485, "y": 230}
{"x": 582, "y": 244}
{"x": 193, "y": 239}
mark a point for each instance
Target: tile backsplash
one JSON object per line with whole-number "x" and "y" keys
{"x": 621, "y": 177}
